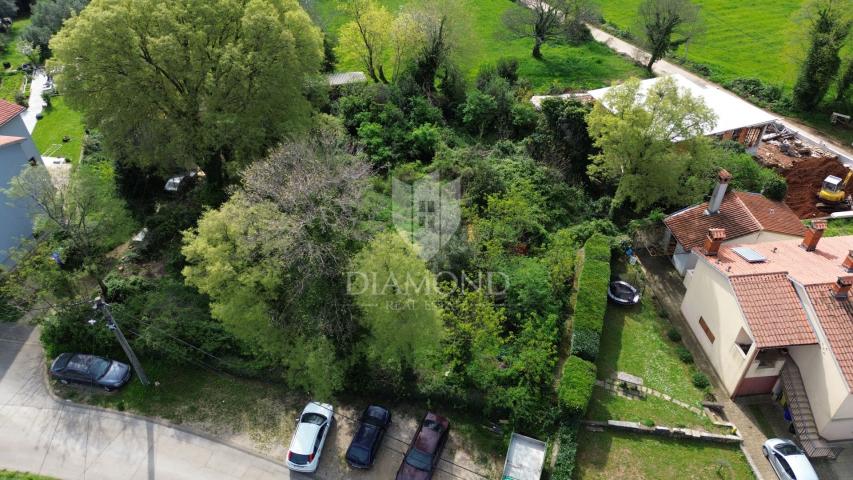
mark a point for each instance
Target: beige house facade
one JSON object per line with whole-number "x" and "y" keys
{"x": 776, "y": 318}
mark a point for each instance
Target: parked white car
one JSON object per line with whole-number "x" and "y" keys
{"x": 789, "y": 462}
{"x": 309, "y": 437}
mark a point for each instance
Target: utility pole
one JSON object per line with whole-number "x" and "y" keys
{"x": 104, "y": 307}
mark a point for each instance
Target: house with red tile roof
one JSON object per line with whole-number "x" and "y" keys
{"x": 17, "y": 150}
{"x": 746, "y": 217}
{"x": 777, "y": 318}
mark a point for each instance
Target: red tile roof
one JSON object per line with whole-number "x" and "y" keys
{"x": 836, "y": 321}
{"x": 773, "y": 310}
{"x": 8, "y": 111}
{"x": 741, "y": 213}
{"x": 786, "y": 256}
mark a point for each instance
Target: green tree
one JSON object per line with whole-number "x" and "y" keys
{"x": 845, "y": 81}
{"x": 47, "y": 18}
{"x": 829, "y": 27}
{"x": 561, "y": 138}
{"x": 374, "y": 37}
{"x": 651, "y": 144}
{"x": 8, "y": 8}
{"x": 666, "y": 25}
{"x": 397, "y": 296}
{"x": 83, "y": 212}
{"x": 213, "y": 83}
{"x": 538, "y": 19}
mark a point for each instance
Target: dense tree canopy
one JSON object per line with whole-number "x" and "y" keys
{"x": 831, "y": 23}
{"x": 651, "y": 143}
{"x": 211, "y": 83}
{"x": 47, "y": 18}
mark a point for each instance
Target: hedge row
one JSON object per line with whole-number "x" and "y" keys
{"x": 591, "y": 298}
{"x": 565, "y": 464}
{"x": 576, "y": 384}
{"x": 579, "y": 372}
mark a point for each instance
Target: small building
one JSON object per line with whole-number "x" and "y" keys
{"x": 777, "y": 318}
{"x": 737, "y": 119}
{"x": 745, "y": 217}
{"x": 17, "y": 151}
{"x": 524, "y": 459}
{"x": 346, "y": 78}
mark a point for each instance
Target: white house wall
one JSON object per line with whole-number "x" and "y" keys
{"x": 15, "y": 217}
{"x": 16, "y": 128}
{"x": 710, "y": 296}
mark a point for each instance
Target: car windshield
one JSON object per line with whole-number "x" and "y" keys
{"x": 298, "y": 459}
{"x": 313, "y": 418}
{"x": 789, "y": 449}
{"x": 99, "y": 367}
{"x": 419, "y": 460}
{"x": 358, "y": 455}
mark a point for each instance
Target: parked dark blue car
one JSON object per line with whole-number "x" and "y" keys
{"x": 365, "y": 444}
{"x": 90, "y": 370}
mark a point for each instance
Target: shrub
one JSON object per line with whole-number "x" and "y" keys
{"x": 648, "y": 423}
{"x": 585, "y": 343}
{"x": 673, "y": 334}
{"x": 591, "y": 299}
{"x": 22, "y": 99}
{"x": 775, "y": 188}
{"x": 684, "y": 354}
{"x": 700, "y": 380}
{"x": 576, "y": 384}
{"x": 507, "y": 68}
{"x": 565, "y": 462}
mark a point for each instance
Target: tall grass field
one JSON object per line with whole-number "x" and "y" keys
{"x": 741, "y": 39}
{"x": 587, "y": 66}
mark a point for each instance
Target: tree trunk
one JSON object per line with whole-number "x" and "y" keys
{"x": 537, "y": 48}
{"x": 652, "y": 60}
{"x": 382, "y": 75}
{"x": 103, "y": 287}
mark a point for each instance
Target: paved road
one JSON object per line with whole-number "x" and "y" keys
{"x": 41, "y": 435}
{"x": 663, "y": 67}
{"x": 36, "y": 103}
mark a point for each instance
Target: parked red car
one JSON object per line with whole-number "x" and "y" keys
{"x": 425, "y": 450}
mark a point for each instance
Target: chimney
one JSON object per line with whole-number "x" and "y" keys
{"x": 715, "y": 238}
{"x": 719, "y": 192}
{"x": 841, "y": 287}
{"x": 847, "y": 264}
{"x": 813, "y": 235}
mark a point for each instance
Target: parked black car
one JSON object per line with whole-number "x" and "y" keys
{"x": 90, "y": 370}
{"x": 365, "y": 444}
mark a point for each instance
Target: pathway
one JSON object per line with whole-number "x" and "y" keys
{"x": 37, "y": 86}
{"x": 663, "y": 67}
{"x": 42, "y": 435}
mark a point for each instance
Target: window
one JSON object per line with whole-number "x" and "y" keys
{"x": 743, "y": 341}
{"x": 736, "y": 134}
{"x": 707, "y": 330}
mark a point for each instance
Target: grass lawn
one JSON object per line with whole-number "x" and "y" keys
{"x": 10, "y": 475}
{"x": 10, "y": 82}
{"x": 635, "y": 341}
{"x": 839, "y": 227}
{"x": 607, "y": 406}
{"x": 609, "y": 455}
{"x": 591, "y": 65}
{"x": 59, "y": 121}
{"x": 742, "y": 39}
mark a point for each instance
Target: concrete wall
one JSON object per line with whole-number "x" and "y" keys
{"x": 15, "y": 217}
{"x": 710, "y": 297}
{"x": 16, "y": 128}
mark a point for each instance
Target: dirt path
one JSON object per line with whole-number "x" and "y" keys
{"x": 663, "y": 67}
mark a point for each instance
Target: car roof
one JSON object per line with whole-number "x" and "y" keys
{"x": 319, "y": 408}
{"x": 80, "y": 362}
{"x": 303, "y": 438}
{"x": 365, "y": 435}
{"x": 429, "y": 436}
